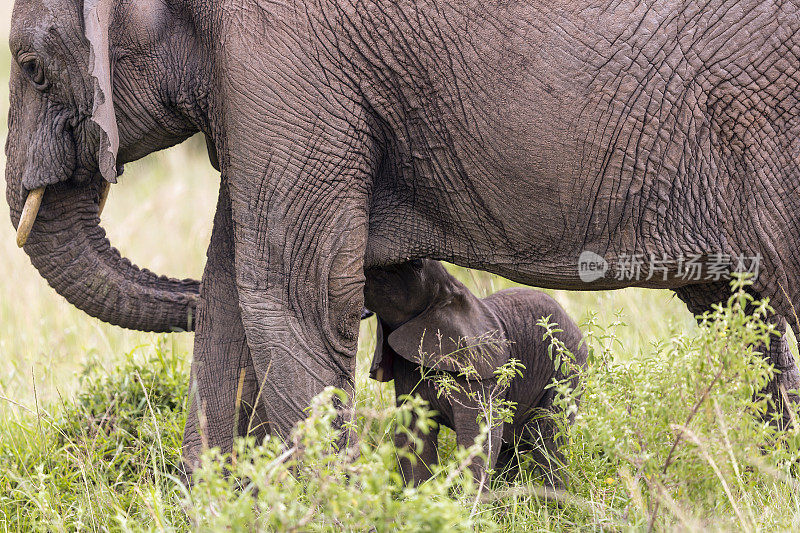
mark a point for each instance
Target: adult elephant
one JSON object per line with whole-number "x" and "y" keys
{"x": 509, "y": 136}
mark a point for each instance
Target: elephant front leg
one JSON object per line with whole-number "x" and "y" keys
{"x": 467, "y": 425}
{"x": 301, "y": 313}
{"x": 417, "y": 454}
{"x": 301, "y": 231}
{"x": 223, "y": 386}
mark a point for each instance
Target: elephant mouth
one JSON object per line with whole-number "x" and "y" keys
{"x": 34, "y": 202}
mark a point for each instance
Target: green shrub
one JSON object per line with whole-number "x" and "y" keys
{"x": 131, "y": 416}
{"x": 311, "y": 484}
{"x": 107, "y": 457}
{"x": 681, "y": 437}
{"x": 675, "y": 438}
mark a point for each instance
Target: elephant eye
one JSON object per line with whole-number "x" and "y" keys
{"x": 33, "y": 68}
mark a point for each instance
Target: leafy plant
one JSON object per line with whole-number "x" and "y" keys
{"x": 310, "y": 483}
{"x": 674, "y": 437}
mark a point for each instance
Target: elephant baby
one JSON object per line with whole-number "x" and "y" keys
{"x": 429, "y": 321}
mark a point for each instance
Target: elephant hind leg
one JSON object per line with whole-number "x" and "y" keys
{"x": 784, "y": 386}
{"x": 700, "y": 298}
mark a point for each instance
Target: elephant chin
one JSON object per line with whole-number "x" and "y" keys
{"x": 69, "y": 248}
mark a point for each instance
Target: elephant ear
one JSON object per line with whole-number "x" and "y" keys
{"x": 97, "y": 19}
{"x": 456, "y": 334}
{"x": 382, "y": 368}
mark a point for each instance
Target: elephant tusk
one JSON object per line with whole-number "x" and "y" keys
{"x": 28, "y": 217}
{"x": 103, "y": 198}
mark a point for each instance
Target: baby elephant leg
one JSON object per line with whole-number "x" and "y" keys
{"x": 541, "y": 441}
{"x": 416, "y": 462}
{"x": 467, "y": 429}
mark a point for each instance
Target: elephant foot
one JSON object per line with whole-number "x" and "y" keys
{"x": 783, "y": 388}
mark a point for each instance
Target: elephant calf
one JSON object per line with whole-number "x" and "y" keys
{"x": 429, "y": 321}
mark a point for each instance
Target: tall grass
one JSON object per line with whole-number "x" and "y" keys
{"x": 670, "y": 440}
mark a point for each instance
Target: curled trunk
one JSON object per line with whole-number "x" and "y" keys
{"x": 70, "y": 250}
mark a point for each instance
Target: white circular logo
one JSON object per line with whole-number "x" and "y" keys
{"x": 591, "y": 267}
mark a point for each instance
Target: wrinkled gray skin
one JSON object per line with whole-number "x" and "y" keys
{"x": 505, "y": 136}
{"x": 428, "y": 320}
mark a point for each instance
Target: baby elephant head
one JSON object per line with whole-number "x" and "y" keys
{"x": 428, "y": 317}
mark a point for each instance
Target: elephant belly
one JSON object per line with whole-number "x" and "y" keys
{"x": 530, "y": 148}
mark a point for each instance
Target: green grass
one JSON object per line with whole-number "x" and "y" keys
{"x": 671, "y": 436}
{"x": 91, "y": 415}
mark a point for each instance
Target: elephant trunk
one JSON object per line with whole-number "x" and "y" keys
{"x": 70, "y": 250}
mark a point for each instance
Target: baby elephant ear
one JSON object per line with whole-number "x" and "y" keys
{"x": 462, "y": 334}
{"x": 97, "y": 19}
{"x": 382, "y": 368}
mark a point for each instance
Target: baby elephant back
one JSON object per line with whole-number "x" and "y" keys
{"x": 520, "y": 309}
